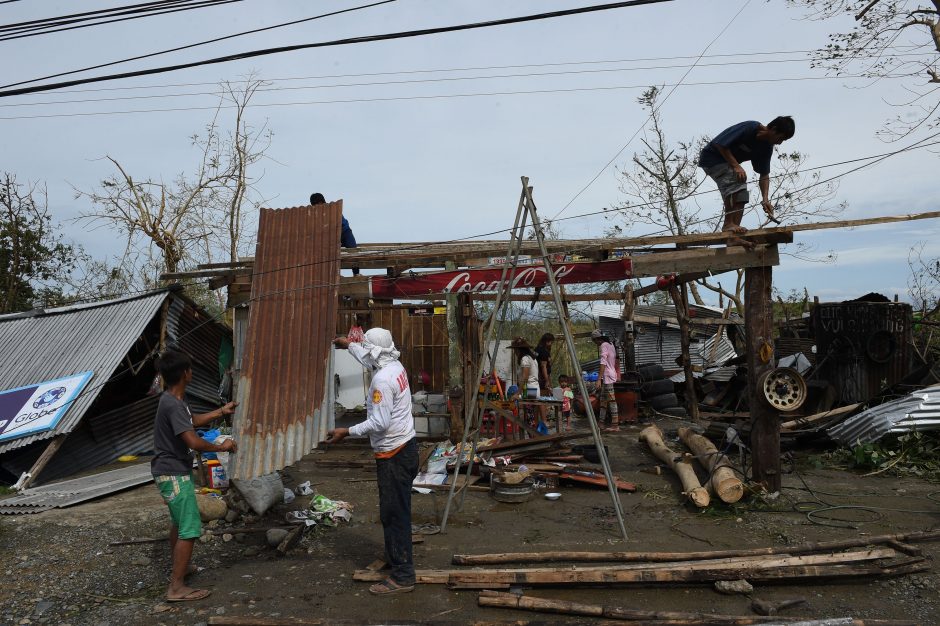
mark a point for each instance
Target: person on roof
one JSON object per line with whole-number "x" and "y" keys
{"x": 721, "y": 159}
{"x": 174, "y": 436}
{"x": 346, "y": 238}
{"x": 390, "y": 427}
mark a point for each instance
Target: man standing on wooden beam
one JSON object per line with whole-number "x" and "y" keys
{"x": 390, "y": 426}
{"x": 721, "y": 159}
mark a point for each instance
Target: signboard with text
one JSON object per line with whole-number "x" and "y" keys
{"x": 488, "y": 279}
{"x": 38, "y": 408}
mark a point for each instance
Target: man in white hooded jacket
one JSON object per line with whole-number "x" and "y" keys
{"x": 390, "y": 426}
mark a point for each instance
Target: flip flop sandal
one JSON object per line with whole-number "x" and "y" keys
{"x": 195, "y": 594}
{"x": 388, "y": 587}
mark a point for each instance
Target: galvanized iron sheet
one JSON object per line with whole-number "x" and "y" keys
{"x": 67, "y": 340}
{"x": 75, "y": 491}
{"x": 866, "y": 346}
{"x": 284, "y": 409}
{"x": 918, "y": 411}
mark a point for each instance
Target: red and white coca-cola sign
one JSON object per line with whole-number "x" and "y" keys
{"x": 489, "y": 278}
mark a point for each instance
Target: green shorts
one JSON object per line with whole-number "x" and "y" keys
{"x": 180, "y": 497}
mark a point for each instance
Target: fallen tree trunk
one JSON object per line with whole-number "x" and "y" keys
{"x": 724, "y": 482}
{"x": 658, "y": 557}
{"x": 679, "y": 464}
{"x": 563, "y": 607}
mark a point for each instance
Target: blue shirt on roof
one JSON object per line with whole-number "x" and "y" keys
{"x": 741, "y": 139}
{"x": 346, "y": 238}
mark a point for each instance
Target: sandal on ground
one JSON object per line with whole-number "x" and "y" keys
{"x": 612, "y": 429}
{"x": 388, "y": 587}
{"x": 195, "y": 594}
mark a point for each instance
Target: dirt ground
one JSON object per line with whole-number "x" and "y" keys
{"x": 60, "y": 569}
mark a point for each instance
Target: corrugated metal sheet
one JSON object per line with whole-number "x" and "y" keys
{"x": 284, "y": 409}
{"x": 868, "y": 345}
{"x": 75, "y": 491}
{"x": 918, "y": 411}
{"x": 67, "y": 340}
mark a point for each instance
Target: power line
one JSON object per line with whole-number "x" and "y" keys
{"x": 34, "y": 31}
{"x": 476, "y": 68}
{"x": 201, "y": 43}
{"x": 337, "y": 42}
{"x": 429, "y": 97}
{"x": 653, "y": 112}
{"x": 412, "y": 81}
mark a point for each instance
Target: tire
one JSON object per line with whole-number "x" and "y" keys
{"x": 675, "y": 411}
{"x": 665, "y": 401}
{"x": 651, "y": 372}
{"x": 658, "y": 387}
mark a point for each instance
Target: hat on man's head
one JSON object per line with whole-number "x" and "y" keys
{"x": 597, "y": 333}
{"x": 519, "y": 343}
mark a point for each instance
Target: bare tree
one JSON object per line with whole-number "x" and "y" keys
{"x": 891, "y": 38}
{"x": 664, "y": 185}
{"x": 200, "y": 216}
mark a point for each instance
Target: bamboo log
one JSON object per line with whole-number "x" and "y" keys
{"x": 683, "y": 469}
{"x": 635, "y": 572}
{"x": 564, "y": 607}
{"x": 724, "y": 482}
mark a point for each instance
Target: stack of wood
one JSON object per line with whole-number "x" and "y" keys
{"x": 550, "y": 456}
{"x": 853, "y": 558}
{"x": 721, "y": 478}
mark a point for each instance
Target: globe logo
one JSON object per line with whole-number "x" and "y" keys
{"x": 51, "y": 396}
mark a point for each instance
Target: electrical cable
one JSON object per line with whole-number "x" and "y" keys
{"x": 415, "y": 81}
{"x": 481, "y": 68}
{"x": 654, "y": 111}
{"x": 36, "y": 31}
{"x": 338, "y": 42}
{"x": 428, "y": 97}
{"x": 201, "y": 43}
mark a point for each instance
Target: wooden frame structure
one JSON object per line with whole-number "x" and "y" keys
{"x": 685, "y": 257}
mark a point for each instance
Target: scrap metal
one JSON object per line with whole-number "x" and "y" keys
{"x": 915, "y": 412}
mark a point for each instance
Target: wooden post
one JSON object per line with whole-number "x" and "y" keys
{"x": 629, "y": 341}
{"x": 765, "y": 425}
{"x": 454, "y": 362}
{"x": 680, "y": 299}
{"x": 42, "y": 461}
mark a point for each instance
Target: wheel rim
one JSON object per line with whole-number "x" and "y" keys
{"x": 784, "y": 389}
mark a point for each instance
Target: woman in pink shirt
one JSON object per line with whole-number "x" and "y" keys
{"x": 608, "y": 375}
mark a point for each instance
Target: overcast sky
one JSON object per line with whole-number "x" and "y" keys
{"x": 423, "y": 160}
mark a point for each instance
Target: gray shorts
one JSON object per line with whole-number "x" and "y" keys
{"x": 727, "y": 182}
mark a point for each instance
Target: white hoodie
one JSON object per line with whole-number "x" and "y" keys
{"x": 389, "y": 422}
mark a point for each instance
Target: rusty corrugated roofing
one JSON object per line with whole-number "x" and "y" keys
{"x": 284, "y": 409}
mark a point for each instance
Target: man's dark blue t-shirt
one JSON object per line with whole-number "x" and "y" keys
{"x": 346, "y": 237}
{"x": 741, "y": 139}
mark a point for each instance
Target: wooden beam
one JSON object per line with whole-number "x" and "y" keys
{"x": 547, "y": 297}
{"x": 645, "y": 265}
{"x": 42, "y": 461}
{"x": 765, "y": 425}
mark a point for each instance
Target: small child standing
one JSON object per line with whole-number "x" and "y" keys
{"x": 567, "y": 395}
{"x": 174, "y": 436}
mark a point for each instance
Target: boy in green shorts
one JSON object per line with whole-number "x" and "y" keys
{"x": 174, "y": 435}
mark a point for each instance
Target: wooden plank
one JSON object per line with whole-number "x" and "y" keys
{"x": 818, "y": 417}
{"x": 765, "y": 425}
{"x": 714, "y": 569}
{"x": 645, "y": 265}
{"x": 633, "y": 557}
